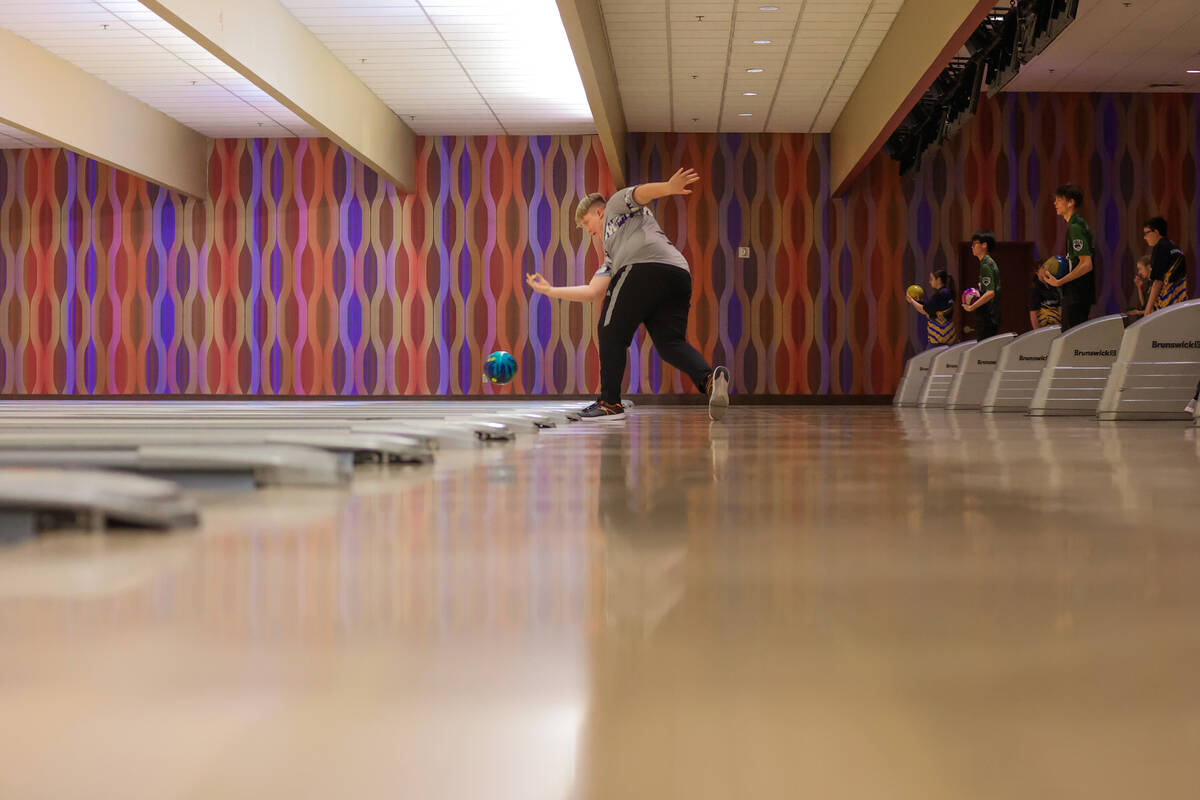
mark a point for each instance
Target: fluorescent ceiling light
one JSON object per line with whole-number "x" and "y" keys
{"x": 521, "y": 28}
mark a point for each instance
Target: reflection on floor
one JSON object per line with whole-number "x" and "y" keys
{"x": 818, "y": 602}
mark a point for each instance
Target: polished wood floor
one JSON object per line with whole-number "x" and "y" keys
{"x": 800, "y": 603}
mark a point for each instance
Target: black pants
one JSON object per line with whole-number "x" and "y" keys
{"x": 986, "y": 328}
{"x": 1075, "y": 314}
{"x": 658, "y": 296}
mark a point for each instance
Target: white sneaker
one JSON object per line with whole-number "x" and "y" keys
{"x": 1190, "y": 408}
{"x": 718, "y": 394}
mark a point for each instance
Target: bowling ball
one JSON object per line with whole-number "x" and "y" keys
{"x": 1056, "y": 266}
{"x": 970, "y": 295}
{"x": 915, "y": 292}
{"x": 500, "y": 367}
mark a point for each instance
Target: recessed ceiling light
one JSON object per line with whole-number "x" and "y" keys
{"x": 749, "y": 94}
{"x": 768, "y": 8}
{"x": 1194, "y": 71}
{"x": 754, "y": 69}
{"x": 745, "y": 115}
{"x": 762, "y": 41}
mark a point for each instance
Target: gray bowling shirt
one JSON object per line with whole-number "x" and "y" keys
{"x": 632, "y": 236}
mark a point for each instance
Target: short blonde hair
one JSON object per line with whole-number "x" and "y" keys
{"x": 587, "y": 204}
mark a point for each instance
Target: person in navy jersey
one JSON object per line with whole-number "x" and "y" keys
{"x": 1044, "y": 301}
{"x": 1168, "y": 268}
{"x": 938, "y": 308}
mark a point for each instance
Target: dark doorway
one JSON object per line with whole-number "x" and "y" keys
{"x": 1016, "y": 261}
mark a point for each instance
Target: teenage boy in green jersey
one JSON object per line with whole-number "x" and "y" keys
{"x": 987, "y": 307}
{"x": 1079, "y": 284}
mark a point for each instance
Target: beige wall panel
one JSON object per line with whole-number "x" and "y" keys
{"x": 266, "y": 44}
{"x": 55, "y": 101}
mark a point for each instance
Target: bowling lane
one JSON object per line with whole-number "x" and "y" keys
{"x": 856, "y": 602}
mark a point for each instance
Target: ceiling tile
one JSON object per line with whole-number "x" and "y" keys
{"x": 1117, "y": 46}
{"x": 817, "y": 49}
{"x": 128, "y": 47}
{"x": 459, "y": 66}
{"x": 16, "y": 139}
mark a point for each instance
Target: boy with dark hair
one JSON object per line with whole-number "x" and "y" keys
{"x": 1168, "y": 270}
{"x": 987, "y": 321}
{"x": 1079, "y": 284}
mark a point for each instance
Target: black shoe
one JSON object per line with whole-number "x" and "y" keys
{"x": 601, "y": 411}
{"x": 626, "y": 404}
{"x": 718, "y": 393}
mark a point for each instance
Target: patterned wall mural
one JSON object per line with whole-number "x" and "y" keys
{"x": 302, "y": 273}
{"x": 305, "y": 274}
{"x": 814, "y": 309}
